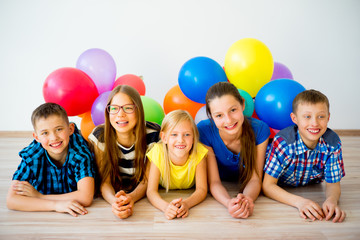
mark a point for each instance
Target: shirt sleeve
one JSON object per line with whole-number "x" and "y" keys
{"x": 154, "y": 155}
{"x": 204, "y": 132}
{"x": 334, "y": 166}
{"x": 83, "y": 158}
{"x": 201, "y": 153}
{"x": 276, "y": 157}
{"x": 261, "y": 130}
{"x": 23, "y": 172}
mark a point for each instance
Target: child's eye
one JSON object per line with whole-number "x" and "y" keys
{"x": 233, "y": 110}
{"x": 59, "y": 129}
{"x": 321, "y": 117}
{"x": 44, "y": 133}
{"x": 218, "y": 115}
{"x": 307, "y": 116}
{"x": 187, "y": 134}
{"x": 173, "y": 134}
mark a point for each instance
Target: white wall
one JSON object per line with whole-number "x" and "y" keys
{"x": 318, "y": 40}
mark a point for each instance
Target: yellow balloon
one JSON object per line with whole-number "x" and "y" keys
{"x": 249, "y": 65}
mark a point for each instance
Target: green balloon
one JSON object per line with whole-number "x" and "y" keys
{"x": 249, "y": 103}
{"x": 152, "y": 110}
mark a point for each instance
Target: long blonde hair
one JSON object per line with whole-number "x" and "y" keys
{"x": 108, "y": 164}
{"x": 247, "y": 163}
{"x": 170, "y": 121}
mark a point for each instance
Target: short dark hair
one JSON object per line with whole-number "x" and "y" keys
{"x": 48, "y": 109}
{"x": 310, "y": 96}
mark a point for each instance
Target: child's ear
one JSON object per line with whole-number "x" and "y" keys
{"x": 293, "y": 118}
{"x": 72, "y": 128}
{"x": 163, "y": 137}
{"x": 35, "y": 136}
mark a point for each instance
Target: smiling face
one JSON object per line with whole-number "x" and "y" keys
{"x": 312, "y": 120}
{"x": 123, "y": 123}
{"x": 179, "y": 141}
{"x": 54, "y": 133}
{"x": 227, "y": 113}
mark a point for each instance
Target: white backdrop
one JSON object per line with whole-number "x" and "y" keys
{"x": 319, "y": 41}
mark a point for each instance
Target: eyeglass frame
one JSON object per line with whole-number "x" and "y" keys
{"x": 120, "y": 107}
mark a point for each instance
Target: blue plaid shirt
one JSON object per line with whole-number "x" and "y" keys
{"x": 37, "y": 168}
{"x": 293, "y": 164}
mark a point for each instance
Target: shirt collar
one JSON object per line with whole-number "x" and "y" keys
{"x": 300, "y": 147}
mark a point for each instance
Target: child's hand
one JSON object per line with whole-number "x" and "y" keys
{"x": 331, "y": 209}
{"x": 70, "y": 206}
{"x": 310, "y": 209}
{"x": 172, "y": 209}
{"x": 123, "y": 205}
{"x": 238, "y": 207}
{"x": 250, "y": 203}
{"x": 25, "y": 189}
{"x": 183, "y": 210}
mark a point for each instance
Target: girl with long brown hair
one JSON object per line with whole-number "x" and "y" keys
{"x": 120, "y": 146}
{"x": 237, "y": 146}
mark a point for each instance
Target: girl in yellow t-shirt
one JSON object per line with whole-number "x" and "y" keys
{"x": 178, "y": 161}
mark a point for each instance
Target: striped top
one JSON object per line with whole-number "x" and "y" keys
{"x": 127, "y": 155}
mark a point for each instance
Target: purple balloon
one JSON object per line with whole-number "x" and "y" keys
{"x": 281, "y": 71}
{"x": 98, "y": 108}
{"x": 100, "y": 67}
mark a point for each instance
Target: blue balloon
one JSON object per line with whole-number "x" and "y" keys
{"x": 273, "y": 102}
{"x": 197, "y": 75}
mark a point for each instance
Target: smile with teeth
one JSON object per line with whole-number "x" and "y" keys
{"x": 314, "y": 130}
{"x": 55, "y": 145}
{"x": 121, "y": 122}
{"x": 180, "y": 146}
{"x": 231, "y": 126}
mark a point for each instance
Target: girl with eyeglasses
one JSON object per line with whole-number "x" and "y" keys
{"x": 120, "y": 146}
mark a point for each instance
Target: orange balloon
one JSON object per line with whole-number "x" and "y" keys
{"x": 175, "y": 99}
{"x": 86, "y": 125}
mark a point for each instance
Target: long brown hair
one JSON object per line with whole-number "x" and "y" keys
{"x": 247, "y": 163}
{"x": 108, "y": 164}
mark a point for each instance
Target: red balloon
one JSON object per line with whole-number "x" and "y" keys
{"x": 72, "y": 89}
{"x": 133, "y": 81}
{"x": 175, "y": 99}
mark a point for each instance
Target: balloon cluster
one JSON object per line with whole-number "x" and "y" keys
{"x": 83, "y": 91}
{"x": 266, "y": 86}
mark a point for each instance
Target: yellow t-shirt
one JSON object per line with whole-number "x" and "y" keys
{"x": 181, "y": 177}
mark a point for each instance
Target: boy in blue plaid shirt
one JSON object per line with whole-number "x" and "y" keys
{"x": 56, "y": 172}
{"x": 306, "y": 153}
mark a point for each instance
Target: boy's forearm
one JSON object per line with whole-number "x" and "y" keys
{"x": 277, "y": 193}
{"x": 84, "y": 195}
{"x": 333, "y": 191}
{"x": 24, "y": 203}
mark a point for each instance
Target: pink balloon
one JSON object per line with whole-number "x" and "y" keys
{"x": 281, "y": 71}
{"x": 72, "y": 89}
{"x": 100, "y": 66}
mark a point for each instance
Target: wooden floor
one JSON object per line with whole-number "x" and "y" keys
{"x": 271, "y": 220}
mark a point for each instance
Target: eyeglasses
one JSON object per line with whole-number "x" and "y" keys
{"x": 127, "y": 108}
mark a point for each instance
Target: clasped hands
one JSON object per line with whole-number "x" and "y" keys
{"x": 123, "y": 205}
{"x": 177, "y": 208}
{"x": 241, "y": 206}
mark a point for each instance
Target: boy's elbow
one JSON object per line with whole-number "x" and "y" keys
{"x": 10, "y": 201}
